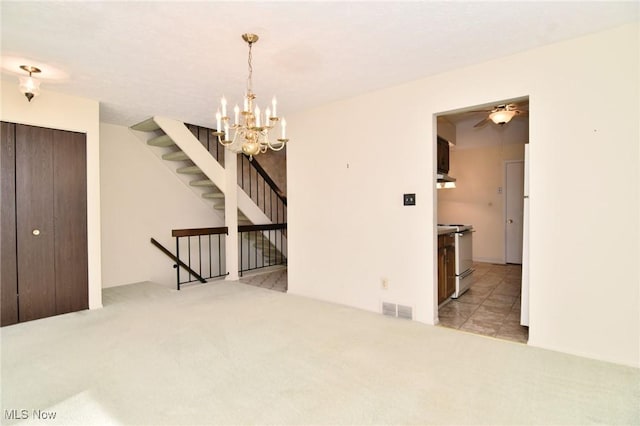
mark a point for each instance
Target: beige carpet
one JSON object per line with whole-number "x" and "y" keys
{"x": 229, "y": 353}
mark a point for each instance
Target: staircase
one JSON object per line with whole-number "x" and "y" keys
{"x": 196, "y": 157}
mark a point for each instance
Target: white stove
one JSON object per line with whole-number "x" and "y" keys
{"x": 464, "y": 256}
{"x": 459, "y": 227}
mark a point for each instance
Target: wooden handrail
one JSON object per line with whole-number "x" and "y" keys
{"x": 268, "y": 227}
{"x": 178, "y": 261}
{"x": 199, "y": 231}
{"x": 262, "y": 172}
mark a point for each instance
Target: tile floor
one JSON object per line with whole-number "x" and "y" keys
{"x": 491, "y": 306}
{"x": 272, "y": 278}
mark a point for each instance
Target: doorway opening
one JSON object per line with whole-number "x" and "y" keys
{"x": 480, "y": 202}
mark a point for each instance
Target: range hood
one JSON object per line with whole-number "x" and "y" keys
{"x": 445, "y": 181}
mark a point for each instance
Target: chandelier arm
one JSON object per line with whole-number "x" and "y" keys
{"x": 235, "y": 137}
{"x": 273, "y": 148}
{"x": 223, "y": 142}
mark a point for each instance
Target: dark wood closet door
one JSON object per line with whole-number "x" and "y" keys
{"x": 8, "y": 271}
{"x": 35, "y": 226}
{"x": 70, "y": 219}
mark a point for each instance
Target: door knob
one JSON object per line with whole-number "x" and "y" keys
{"x": 36, "y": 232}
{"x": 510, "y": 221}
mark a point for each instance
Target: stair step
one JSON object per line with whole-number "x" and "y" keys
{"x": 202, "y": 182}
{"x": 163, "y": 140}
{"x": 190, "y": 170}
{"x": 175, "y": 156}
{"x": 213, "y": 196}
{"x": 148, "y": 125}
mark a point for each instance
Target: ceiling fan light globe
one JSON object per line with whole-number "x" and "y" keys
{"x": 502, "y": 117}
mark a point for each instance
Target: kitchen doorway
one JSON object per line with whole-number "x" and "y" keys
{"x": 483, "y": 188}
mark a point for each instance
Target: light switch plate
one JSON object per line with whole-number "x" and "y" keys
{"x": 409, "y": 199}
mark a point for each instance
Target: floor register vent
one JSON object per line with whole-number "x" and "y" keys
{"x": 400, "y": 311}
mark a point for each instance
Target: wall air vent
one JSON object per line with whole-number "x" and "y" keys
{"x": 405, "y": 312}
{"x": 399, "y": 311}
{"x": 389, "y": 309}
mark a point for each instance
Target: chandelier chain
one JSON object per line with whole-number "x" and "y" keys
{"x": 250, "y": 77}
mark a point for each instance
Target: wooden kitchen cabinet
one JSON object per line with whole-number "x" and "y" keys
{"x": 446, "y": 267}
{"x": 442, "y": 156}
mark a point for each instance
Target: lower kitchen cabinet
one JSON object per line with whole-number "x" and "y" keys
{"x": 446, "y": 267}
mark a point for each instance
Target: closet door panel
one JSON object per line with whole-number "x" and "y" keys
{"x": 70, "y": 218}
{"x": 8, "y": 267}
{"x": 35, "y": 225}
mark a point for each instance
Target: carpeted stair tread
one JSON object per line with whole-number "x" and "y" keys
{"x": 163, "y": 141}
{"x": 190, "y": 170}
{"x": 202, "y": 182}
{"x": 148, "y": 125}
{"x": 213, "y": 196}
{"x": 175, "y": 156}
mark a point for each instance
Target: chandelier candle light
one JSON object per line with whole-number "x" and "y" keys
{"x": 250, "y": 126}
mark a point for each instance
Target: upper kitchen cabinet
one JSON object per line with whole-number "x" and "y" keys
{"x": 443, "y": 156}
{"x": 446, "y": 135}
{"x": 447, "y": 130}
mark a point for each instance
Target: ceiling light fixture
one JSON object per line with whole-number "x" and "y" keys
{"x": 250, "y": 127}
{"x": 502, "y": 117}
{"x": 30, "y": 86}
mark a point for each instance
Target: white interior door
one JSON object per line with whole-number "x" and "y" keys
{"x": 524, "y": 302}
{"x": 514, "y": 207}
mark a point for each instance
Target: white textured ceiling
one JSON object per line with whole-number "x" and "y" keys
{"x": 177, "y": 58}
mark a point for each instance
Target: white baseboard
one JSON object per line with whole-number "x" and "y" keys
{"x": 489, "y": 260}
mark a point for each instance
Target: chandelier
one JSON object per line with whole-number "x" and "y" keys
{"x": 250, "y": 127}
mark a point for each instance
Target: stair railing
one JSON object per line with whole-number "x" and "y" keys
{"x": 252, "y": 177}
{"x": 261, "y": 246}
{"x": 209, "y": 141}
{"x": 200, "y": 252}
{"x": 179, "y": 263}
{"x": 259, "y": 186}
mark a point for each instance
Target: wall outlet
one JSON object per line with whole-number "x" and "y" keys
{"x": 385, "y": 284}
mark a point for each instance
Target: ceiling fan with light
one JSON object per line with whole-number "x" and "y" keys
{"x": 502, "y": 114}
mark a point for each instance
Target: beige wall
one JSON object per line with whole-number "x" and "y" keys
{"x": 142, "y": 198}
{"x": 348, "y": 228}
{"x": 64, "y": 112}
{"x": 477, "y": 162}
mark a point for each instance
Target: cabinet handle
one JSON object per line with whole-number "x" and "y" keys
{"x": 36, "y": 232}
